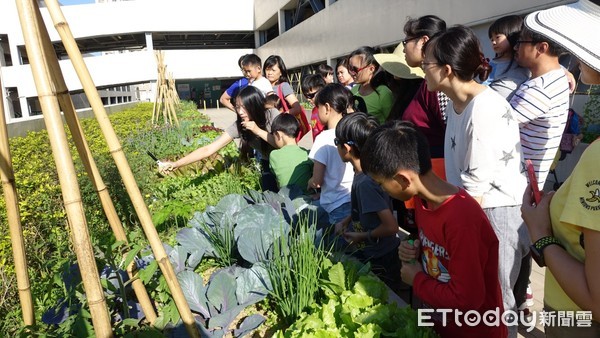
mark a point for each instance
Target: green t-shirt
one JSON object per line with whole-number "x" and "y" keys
{"x": 379, "y": 102}
{"x": 291, "y": 166}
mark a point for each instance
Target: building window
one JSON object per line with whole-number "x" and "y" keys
{"x": 304, "y": 10}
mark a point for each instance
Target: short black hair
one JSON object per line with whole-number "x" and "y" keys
{"x": 273, "y": 99}
{"x": 251, "y": 60}
{"x": 241, "y": 59}
{"x": 354, "y": 129}
{"x": 287, "y": 124}
{"x": 554, "y": 49}
{"x": 393, "y": 146}
{"x": 325, "y": 69}
{"x": 312, "y": 81}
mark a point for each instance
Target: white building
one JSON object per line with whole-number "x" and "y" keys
{"x": 203, "y": 40}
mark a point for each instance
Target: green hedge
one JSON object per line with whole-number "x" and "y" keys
{"x": 43, "y": 217}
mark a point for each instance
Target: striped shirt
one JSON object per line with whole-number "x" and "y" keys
{"x": 541, "y": 105}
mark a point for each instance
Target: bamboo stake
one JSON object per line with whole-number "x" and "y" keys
{"x": 14, "y": 220}
{"x": 125, "y": 171}
{"x": 66, "y": 170}
{"x": 91, "y": 168}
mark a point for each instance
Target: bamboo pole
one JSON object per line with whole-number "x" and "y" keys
{"x": 90, "y": 166}
{"x": 125, "y": 171}
{"x": 14, "y": 220}
{"x": 66, "y": 170}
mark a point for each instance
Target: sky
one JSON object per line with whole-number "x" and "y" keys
{"x": 75, "y": 2}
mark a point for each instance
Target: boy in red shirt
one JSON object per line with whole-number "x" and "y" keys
{"x": 454, "y": 263}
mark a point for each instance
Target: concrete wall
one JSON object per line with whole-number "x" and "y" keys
{"x": 347, "y": 24}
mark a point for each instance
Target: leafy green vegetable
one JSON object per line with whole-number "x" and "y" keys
{"x": 356, "y": 310}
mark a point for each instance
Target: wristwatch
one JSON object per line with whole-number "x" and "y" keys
{"x": 537, "y": 249}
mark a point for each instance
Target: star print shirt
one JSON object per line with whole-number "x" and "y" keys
{"x": 482, "y": 151}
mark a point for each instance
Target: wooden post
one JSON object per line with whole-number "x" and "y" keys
{"x": 89, "y": 164}
{"x": 114, "y": 146}
{"x": 14, "y": 220}
{"x": 66, "y": 170}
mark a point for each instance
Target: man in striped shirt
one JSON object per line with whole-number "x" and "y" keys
{"x": 541, "y": 103}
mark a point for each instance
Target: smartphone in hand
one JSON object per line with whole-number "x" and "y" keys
{"x": 537, "y": 196}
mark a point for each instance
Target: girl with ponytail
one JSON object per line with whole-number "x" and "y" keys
{"x": 370, "y": 83}
{"x": 330, "y": 173}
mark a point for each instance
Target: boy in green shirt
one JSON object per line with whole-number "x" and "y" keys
{"x": 290, "y": 162}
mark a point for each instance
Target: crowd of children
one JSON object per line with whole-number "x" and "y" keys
{"x": 471, "y": 249}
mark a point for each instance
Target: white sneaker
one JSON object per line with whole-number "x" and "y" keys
{"x": 529, "y": 297}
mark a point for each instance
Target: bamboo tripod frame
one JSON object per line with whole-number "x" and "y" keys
{"x": 90, "y": 166}
{"x": 39, "y": 50}
{"x": 166, "y": 94}
{"x": 14, "y": 221}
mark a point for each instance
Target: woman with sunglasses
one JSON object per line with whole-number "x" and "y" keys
{"x": 426, "y": 109}
{"x": 370, "y": 83}
{"x": 250, "y": 109}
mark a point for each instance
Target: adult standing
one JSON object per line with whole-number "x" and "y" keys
{"x": 426, "y": 109}
{"x": 276, "y": 72}
{"x": 370, "y": 83}
{"x": 482, "y": 146}
{"x": 564, "y": 225}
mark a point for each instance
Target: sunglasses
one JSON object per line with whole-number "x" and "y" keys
{"x": 337, "y": 142}
{"x": 354, "y": 70}
{"x": 407, "y": 40}
{"x": 310, "y": 96}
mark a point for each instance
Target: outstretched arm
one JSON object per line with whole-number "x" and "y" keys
{"x": 197, "y": 154}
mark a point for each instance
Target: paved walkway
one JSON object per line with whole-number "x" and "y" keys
{"x": 224, "y": 117}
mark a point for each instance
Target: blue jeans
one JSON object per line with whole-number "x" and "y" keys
{"x": 340, "y": 213}
{"x": 326, "y": 222}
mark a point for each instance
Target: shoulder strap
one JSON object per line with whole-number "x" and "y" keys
{"x": 280, "y": 94}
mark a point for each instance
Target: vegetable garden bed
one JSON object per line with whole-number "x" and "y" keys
{"x": 246, "y": 260}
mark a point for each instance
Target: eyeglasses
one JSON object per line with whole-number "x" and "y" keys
{"x": 526, "y": 41}
{"x": 310, "y": 96}
{"x": 354, "y": 70}
{"x": 407, "y": 40}
{"x": 337, "y": 142}
{"x": 423, "y": 64}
